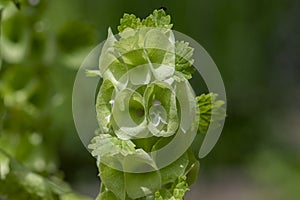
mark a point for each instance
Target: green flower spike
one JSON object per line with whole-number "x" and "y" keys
{"x": 146, "y": 101}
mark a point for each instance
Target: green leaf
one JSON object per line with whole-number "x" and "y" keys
{"x": 163, "y": 194}
{"x": 184, "y": 61}
{"x": 192, "y": 169}
{"x": 107, "y": 195}
{"x": 176, "y": 192}
{"x": 105, "y": 145}
{"x": 74, "y": 196}
{"x": 114, "y": 181}
{"x": 21, "y": 183}
{"x": 180, "y": 188}
{"x": 135, "y": 185}
{"x": 120, "y": 154}
{"x": 158, "y": 18}
{"x": 142, "y": 184}
{"x": 210, "y": 109}
{"x": 129, "y": 21}
{"x": 176, "y": 169}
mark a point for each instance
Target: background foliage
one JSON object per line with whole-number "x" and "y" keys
{"x": 254, "y": 43}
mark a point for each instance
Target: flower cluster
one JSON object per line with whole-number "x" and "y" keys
{"x": 147, "y": 112}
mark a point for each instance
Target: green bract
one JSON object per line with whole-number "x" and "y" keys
{"x": 210, "y": 109}
{"x": 144, "y": 101}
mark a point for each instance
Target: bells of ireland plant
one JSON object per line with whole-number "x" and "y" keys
{"x": 147, "y": 112}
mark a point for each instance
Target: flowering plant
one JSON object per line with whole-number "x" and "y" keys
{"x": 144, "y": 104}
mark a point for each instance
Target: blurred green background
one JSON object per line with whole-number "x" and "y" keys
{"x": 255, "y": 44}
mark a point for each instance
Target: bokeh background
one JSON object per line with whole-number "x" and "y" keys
{"x": 255, "y": 44}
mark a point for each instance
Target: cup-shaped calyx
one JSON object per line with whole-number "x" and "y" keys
{"x": 150, "y": 110}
